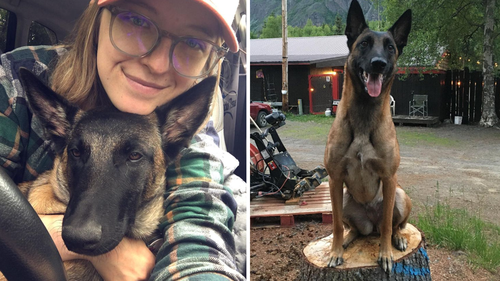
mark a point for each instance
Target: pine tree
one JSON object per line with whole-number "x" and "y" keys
{"x": 339, "y": 26}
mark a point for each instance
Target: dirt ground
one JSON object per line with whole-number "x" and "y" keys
{"x": 458, "y": 164}
{"x": 461, "y": 162}
{"x": 276, "y": 254}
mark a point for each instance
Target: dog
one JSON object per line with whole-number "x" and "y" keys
{"x": 362, "y": 150}
{"x": 108, "y": 177}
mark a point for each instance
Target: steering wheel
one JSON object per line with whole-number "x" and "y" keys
{"x": 27, "y": 251}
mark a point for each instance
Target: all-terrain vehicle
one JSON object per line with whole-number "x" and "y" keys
{"x": 273, "y": 172}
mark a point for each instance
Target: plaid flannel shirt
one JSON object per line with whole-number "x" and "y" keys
{"x": 200, "y": 207}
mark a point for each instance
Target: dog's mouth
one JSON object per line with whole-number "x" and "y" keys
{"x": 373, "y": 83}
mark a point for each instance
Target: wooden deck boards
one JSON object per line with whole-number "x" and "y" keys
{"x": 422, "y": 120}
{"x": 315, "y": 201}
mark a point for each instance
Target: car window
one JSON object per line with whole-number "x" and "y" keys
{"x": 41, "y": 35}
{"x": 7, "y": 30}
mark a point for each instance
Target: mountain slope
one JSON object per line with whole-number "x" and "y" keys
{"x": 319, "y": 11}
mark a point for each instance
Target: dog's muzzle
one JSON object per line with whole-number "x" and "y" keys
{"x": 374, "y": 78}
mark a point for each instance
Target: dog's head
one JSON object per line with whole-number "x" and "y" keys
{"x": 373, "y": 55}
{"x": 111, "y": 170}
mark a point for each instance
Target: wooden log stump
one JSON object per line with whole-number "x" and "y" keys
{"x": 360, "y": 260}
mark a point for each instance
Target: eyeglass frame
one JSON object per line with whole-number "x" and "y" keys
{"x": 221, "y": 51}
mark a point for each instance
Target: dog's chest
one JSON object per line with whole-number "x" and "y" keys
{"x": 361, "y": 177}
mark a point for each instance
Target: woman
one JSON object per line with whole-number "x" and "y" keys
{"x": 137, "y": 55}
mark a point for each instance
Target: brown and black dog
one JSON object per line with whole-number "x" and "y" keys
{"x": 362, "y": 151}
{"x": 108, "y": 177}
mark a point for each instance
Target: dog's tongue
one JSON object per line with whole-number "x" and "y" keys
{"x": 374, "y": 84}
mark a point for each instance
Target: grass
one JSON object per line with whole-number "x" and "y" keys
{"x": 315, "y": 127}
{"x": 413, "y": 137}
{"x": 320, "y": 118}
{"x": 458, "y": 230}
{"x": 318, "y": 126}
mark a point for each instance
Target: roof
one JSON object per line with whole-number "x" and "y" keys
{"x": 323, "y": 51}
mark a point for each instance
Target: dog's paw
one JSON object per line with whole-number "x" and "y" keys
{"x": 400, "y": 242}
{"x": 385, "y": 261}
{"x": 335, "y": 261}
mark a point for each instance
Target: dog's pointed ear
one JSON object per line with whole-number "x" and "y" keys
{"x": 55, "y": 112}
{"x": 400, "y": 30}
{"x": 355, "y": 23}
{"x": 182, "y": 117}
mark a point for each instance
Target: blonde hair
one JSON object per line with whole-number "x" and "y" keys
{"x": 75, "y": 75}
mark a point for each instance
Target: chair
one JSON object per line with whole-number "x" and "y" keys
{"x": 418, "y": 106}
{"x": 393, "y": 106}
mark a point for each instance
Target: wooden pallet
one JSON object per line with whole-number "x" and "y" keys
{"x": 312, "y": 202}
{"x": 429, "y": 121}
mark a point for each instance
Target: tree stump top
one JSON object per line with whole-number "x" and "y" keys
{"x": 362, "y": 252}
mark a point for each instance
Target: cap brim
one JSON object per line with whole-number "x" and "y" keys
{"x": 227, "y": 31}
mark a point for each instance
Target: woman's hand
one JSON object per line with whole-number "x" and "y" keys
{"x": 53, "y": 223}
{"x": 130, "y": 260}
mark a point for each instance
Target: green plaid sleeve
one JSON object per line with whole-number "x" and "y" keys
{"x": 11, "y": 136}
{"x": 24, "y": 153}
{"x": 200, "y": 214}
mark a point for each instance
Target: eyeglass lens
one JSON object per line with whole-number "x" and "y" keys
{"x": 136, "y": 35}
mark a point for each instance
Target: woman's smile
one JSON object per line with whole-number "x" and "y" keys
{"x": 143, "y": 87}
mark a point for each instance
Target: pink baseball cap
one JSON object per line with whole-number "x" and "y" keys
{"x": 223, "y": 10}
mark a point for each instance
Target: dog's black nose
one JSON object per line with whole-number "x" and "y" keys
{"x": 82, "y": 238}
{"x": 378, "y": 64}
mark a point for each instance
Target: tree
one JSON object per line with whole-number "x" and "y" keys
{"x": 456, "y": 28}
{"x": 489, "y": 116}
{"x": 327, "y": 31}
{"x": 41, "y": 35}
{"x": 378, "y": 25}
{"x": 439, "y": 26}
{"x": 272, "y": 27}
{"x": 4, "y": 18}
{"x": 317, "y": 31}
{"x": 294, "y": 31}
{"x": 308, "y": 29}
{"x": 339, "y": 27}
{"x": 253, "y": 35}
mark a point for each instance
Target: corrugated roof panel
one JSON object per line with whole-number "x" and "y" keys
{"x": 300, "y": 49}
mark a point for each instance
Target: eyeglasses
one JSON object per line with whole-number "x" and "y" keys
{"x": 137, "y": 36}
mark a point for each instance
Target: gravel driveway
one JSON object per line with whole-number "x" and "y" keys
{"x": 456, "y": 163}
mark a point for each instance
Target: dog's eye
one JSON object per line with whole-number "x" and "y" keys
{"x": 135, "y": 156}
{"x": 391, "y": 48}
{"x": 364, "y": 44}
{"x": 75, "y": 152}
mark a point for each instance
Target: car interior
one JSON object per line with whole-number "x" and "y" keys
{"x": 23, "y": 254}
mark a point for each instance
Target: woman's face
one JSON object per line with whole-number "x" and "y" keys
{"x": 139, "y": 85}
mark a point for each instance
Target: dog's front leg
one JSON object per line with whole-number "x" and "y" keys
{"x": 385, "y": 254}
{"x": 336, "y": 195}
